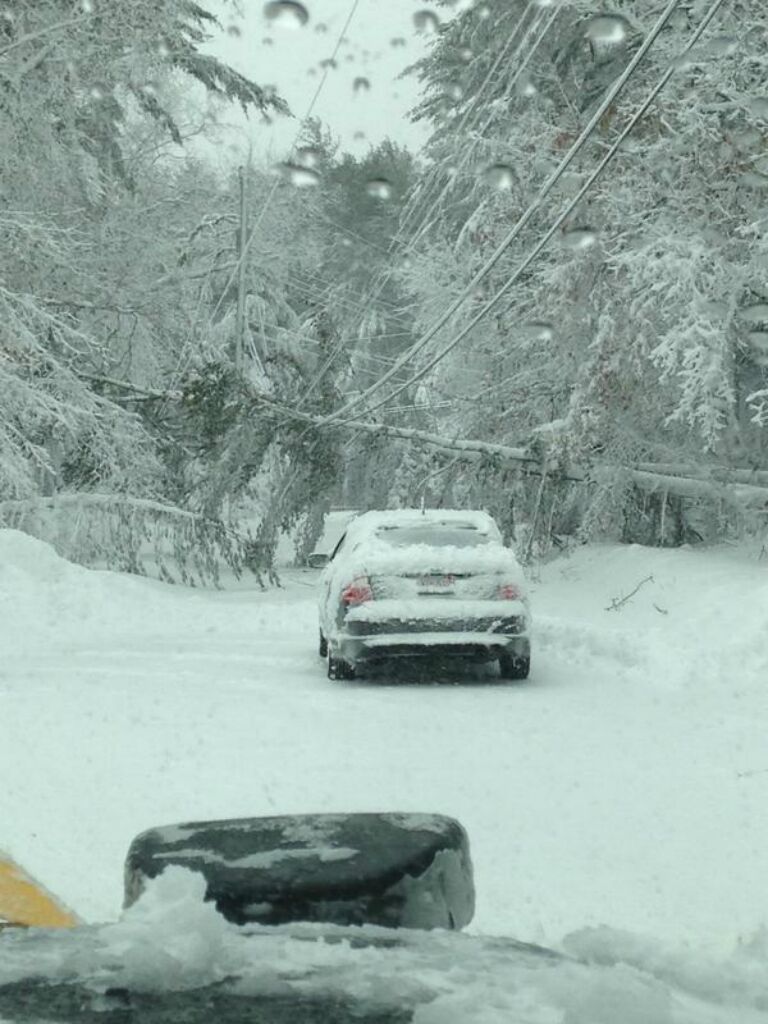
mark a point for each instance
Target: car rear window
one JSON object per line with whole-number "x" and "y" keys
{"x": 433, "y": 534}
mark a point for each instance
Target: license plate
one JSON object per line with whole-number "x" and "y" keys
{"x": 436, "y": 584}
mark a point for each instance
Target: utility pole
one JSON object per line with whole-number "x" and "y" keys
{"x": 242, "y": 241}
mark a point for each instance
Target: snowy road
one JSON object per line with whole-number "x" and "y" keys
{"x": 621, "y": 785}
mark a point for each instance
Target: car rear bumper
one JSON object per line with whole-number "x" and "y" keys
{"x": 479, "y": 646}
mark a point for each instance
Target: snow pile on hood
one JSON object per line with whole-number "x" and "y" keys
{"x": 171, "y": 940}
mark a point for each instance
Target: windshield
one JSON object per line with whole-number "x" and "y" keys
{"x": 482, "y": 287}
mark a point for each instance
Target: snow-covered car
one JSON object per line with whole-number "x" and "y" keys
{"x": 415, "y": 583}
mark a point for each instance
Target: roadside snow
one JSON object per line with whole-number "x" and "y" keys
{"x": 622, "y": 789}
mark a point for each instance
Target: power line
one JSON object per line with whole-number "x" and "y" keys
{"x": 559, "y": 221}
{"x": 527, "y": 216}
{"x": 472, "y": 114}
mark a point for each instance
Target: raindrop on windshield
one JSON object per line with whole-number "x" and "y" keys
{"x": 426, "y": 21}
{"x": 267, "y": 41}
{"x": 453, "y": 92}
{"x": 539, "y": 330}
{"x": 379, "y": 188}
{"x": 607, "y": 29}
{"x": 579, "y": 238}
{"x": 499, "y": 176}
{"x": 755, "y": 314}
{"x": 329, "y": 62}
{"x": 286, "y": 13}
{"x": 298, "y": 176}
{"x": 86, "y": 6}
{"x": 397, "y": 41}
{"x": 308, "y": 156}
{"x": 466, "y": 54}
{"x": 484, "y": 11}
{"x": 525, "y": 86}
{"x": 233, "y": 30}
{"x": 723, "y": 46}
{"x": 321, "y": 27}
{"x": 361, "y": 84}
{"x": 358, "y": 136}
{"x": 759, "y": 341}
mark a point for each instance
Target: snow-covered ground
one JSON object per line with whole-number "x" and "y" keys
{"x": 624, "y": 785}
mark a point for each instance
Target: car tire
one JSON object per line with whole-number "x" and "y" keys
{"x": 513, "y": 666}
{"x": 338, "y": 669}
{"x": 322, "y": 647}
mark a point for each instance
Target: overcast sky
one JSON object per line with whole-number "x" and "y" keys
{"x": 291, "y": 62}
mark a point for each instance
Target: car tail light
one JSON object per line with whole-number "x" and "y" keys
{"x": 357, "y": 592}
{"x": 510, "y": 592}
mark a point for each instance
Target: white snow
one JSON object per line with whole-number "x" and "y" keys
{"x": 615, "y": 802}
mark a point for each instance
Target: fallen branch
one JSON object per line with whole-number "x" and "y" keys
{"x": 619, "y": 602}
{"x": 705, "y": 483}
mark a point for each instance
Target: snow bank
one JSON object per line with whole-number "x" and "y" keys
{"x": 43, "y": 596}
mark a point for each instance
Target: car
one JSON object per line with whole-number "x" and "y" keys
{"x": 409, "y": 583}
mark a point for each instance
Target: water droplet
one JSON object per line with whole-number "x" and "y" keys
{"x": 714, "y": 310}
{"x": 756, "y": 313}
{"x": 267, "y": 41}
{"x": 98, "y": 91}
{"x": 607, "y": 29}
{"x": 330, "y": 63}
{"x": 426, "y": 22}
{"x": 499, "y": 176}
{"x": 753, "y": 180}
{"x": 233, "y": 30}
{"x": 748, "y": 140}
{"x": 308, "y": 156}
{"x": 539, "y": 330}
{"x": 86, "y": 6}
{"x": 358, "y": 136}
{"x": 525, "y": 86}
{"x": 379, "y": 188}
{"x": 321, "y": 27}
{"x": 759, "y": 341}
{"x": 397, "y": 41}
{"x": 298, "y": 176}
{"x": 579, "y": 238}
{"x": 723, "y": 46}
{"x": 361, "y": 84}
{"x": 286, "y": 13}
{"x": 453, "y": 91}
{"x": 758, "y": 105}
{"x": 483, "y": 11}
{"x": 163, "y": 49}
{"x": 466, "y": 54}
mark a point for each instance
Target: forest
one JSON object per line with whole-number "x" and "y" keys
{"x": 557, "y": 311}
